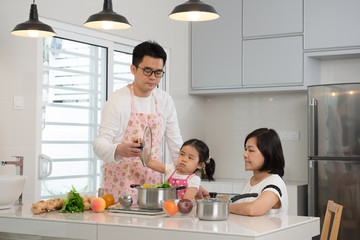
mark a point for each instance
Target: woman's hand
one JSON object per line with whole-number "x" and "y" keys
{"x": 128, "y": 150}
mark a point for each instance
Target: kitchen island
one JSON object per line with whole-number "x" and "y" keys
{"x": 19, "y": 220}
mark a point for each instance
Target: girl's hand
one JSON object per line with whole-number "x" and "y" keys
{"x": 190, "y": 193}
{"x": 202, "y": 193}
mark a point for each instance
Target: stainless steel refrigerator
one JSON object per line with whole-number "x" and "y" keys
{"x": 334, "y": 153}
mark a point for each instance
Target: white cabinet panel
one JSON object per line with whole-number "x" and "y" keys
{"x": 269, "y": 17}
{"x": 273, "y": 62}
{"x": 331, "y": 23}
{"x": 216, "y": 48}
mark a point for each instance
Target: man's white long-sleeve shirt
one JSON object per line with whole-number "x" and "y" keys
{"x": 116, "y": 115}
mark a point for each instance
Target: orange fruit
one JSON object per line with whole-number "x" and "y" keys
{"x": 170, "y": 207}
{"x": 109, "y": 200}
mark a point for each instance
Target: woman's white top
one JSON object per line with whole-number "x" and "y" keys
{"x": 273, "y": 183}
{"x": 116, "y": 114}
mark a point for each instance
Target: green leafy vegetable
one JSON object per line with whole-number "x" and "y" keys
{"x": 73, "y": 203}
{"x": 164, "y": 185}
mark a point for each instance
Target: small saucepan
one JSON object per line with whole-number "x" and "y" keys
{"x": 150, "y": 198}
{"x": 216, "y": 209}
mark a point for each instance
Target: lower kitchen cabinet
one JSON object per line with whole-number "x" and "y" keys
{"x": 297, "y": 192}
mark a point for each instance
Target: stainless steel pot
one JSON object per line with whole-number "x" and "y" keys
{"x": 213, "y": 209}
{"x": 150, "y": 198}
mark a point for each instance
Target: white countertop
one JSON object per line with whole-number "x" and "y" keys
{"x": 90, "y": 225}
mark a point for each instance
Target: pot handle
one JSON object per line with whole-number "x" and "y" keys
{"x": 180, "y": 188}
{"x": 212, "y": 194}
{"x": 134, "y": 185}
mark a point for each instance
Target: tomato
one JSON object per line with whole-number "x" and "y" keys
{"x": 170, "y": 207}
{"x": 109, "y": 200}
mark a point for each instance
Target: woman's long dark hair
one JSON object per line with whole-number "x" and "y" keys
{"x": 204, "y": 156}
{"x": 269, "y": 144}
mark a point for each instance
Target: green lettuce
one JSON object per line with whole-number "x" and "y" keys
{"x": 164, "y": 185}
{"x": 73, "y": 203}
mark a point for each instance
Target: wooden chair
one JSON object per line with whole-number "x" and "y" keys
{"x": 337, "y": 210}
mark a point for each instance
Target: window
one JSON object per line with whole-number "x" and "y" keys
{"x": 74, "y": 87}
{"x": 79, "y": 73}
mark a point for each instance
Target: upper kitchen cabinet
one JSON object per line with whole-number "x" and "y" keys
{"x": 272, "y": 17}
{"x": 216, "y": 50}
{"x": 331, "y": 23}
{"x": 273, "y": 62}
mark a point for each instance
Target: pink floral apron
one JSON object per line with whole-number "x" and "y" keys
{"x": 119, "y": 176}
{"x": 179, "y": 183}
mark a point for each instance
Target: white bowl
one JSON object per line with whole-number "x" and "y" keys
{"x": 11, "y": 186}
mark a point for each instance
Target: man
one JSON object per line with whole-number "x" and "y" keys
{"x": 126, "y": 114}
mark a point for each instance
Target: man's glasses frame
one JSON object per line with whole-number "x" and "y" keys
{"x": 148, "y": 72}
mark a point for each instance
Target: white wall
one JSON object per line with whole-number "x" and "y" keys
{"x": 20, "y": 76}
{"x": 230, "y": 118}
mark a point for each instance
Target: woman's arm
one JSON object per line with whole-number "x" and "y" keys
{"x": 266, "y": 201}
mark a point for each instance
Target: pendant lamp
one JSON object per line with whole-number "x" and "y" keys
{"x": 33, "y": 27}
{"x": 194, "y": 10}
{"x": 107, "y": 19}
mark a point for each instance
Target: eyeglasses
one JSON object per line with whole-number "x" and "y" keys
{"x": 148, "y": 72}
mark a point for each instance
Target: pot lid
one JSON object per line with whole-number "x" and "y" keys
{"x": 146, "y": 146}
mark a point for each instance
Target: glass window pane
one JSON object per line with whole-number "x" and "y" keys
{"x": 50, "y": 188}
{"x": 66, "y": 115}
{"x": 69, "y": 150}
{"x": 122, "y": 74}
{"x": 60, "y": 133}
{"x": 70, "y": 168}
{"x": 74, "y": 88}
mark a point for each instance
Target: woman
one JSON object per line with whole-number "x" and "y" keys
{"x": 264, "y": 156}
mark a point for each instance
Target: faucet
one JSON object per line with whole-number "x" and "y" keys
{"x": 19, "y": 163}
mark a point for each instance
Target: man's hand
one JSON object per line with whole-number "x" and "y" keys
{"x": 128, "y": 150}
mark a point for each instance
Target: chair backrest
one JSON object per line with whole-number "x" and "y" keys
{"x": 337, "y": 210}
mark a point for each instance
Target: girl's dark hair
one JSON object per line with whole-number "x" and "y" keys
{"x": 269, "y": 144}
{"x": 204, "y": 157}
{"x": 148, "y": 48}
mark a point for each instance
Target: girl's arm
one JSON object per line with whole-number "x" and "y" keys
{"x": 153, "y": 164}
{"x": 190, "y": 193}
{"x": 157, "y": 166}
{"x": 194, "y": 182}
{"x": 266, "y": 201}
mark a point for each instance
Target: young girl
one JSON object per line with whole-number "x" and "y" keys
{"x": 194, "y": 155}
{"x": 264, "y": 156}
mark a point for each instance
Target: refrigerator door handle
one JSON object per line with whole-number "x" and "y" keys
{"x": 313, "y": 209}
{"x": 313, "y": 127}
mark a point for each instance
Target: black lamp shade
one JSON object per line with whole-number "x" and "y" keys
{"x": 194, "y": 10}
{"x": 107, "y": 19}
{"x": 33, "y": 27}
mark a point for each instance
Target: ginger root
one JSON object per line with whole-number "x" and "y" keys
{"x": 48, "y": 205}
{"x": 56, "y": 204}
